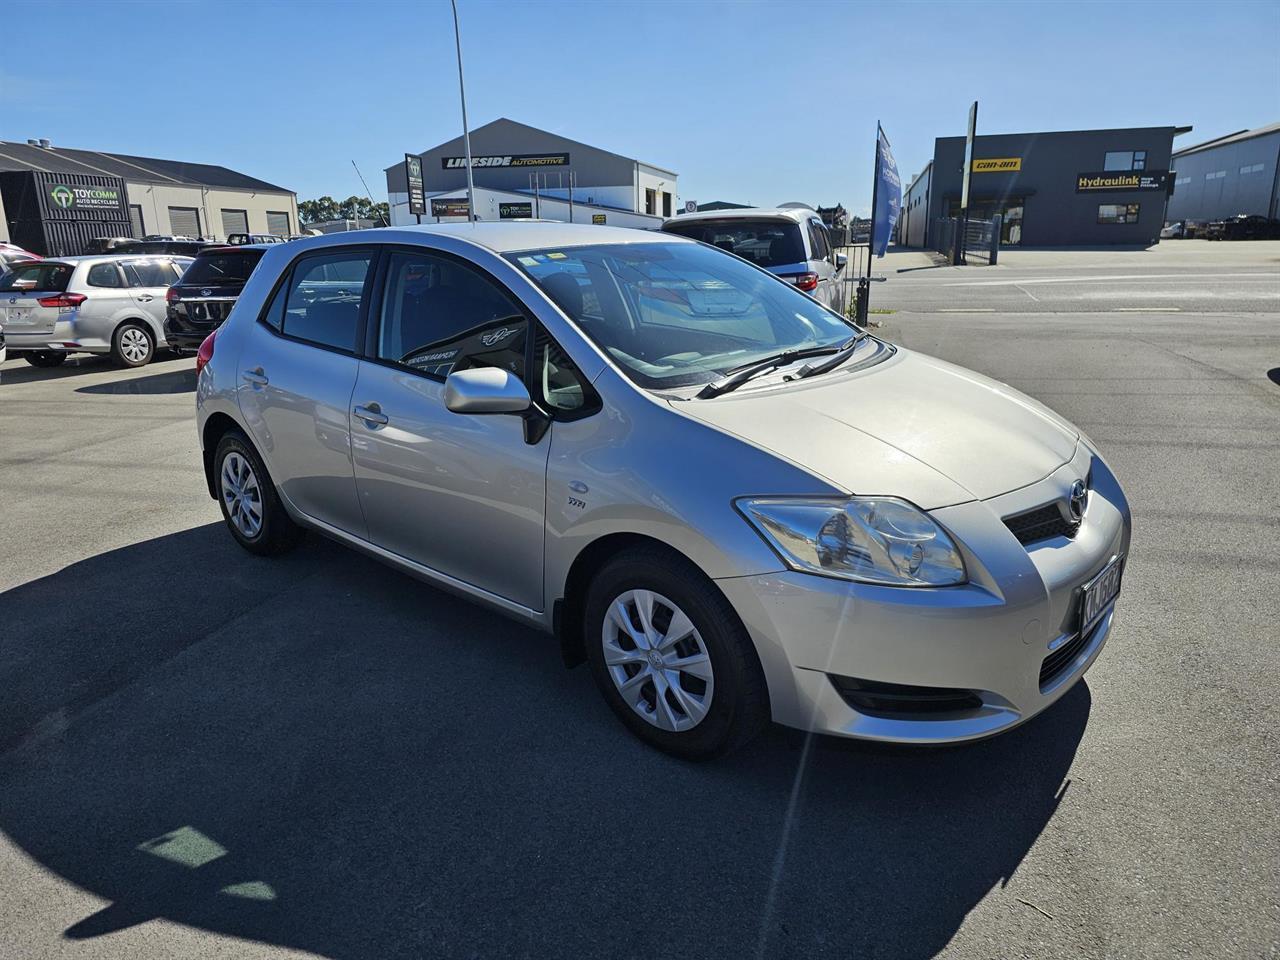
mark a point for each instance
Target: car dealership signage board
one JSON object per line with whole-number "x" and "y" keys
{"x": 515, "y": 211}
{"x": 450, "y": 208}
{"x": 507, "y": 160}
{"x": 598, "y": 219}
{"x": 413, "y": 173}
{"x": 1122, "y": 181}
{"x": 888, "y": 195}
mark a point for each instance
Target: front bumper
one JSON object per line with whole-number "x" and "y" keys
{"x": 987, "y": 639}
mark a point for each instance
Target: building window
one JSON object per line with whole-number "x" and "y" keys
{"x": 1118, "y": 212}
{"x": 1182, "y": 180}
{"x": 1216, "y": 175}
{"x": 135, "y": 218}
{"x": 1125, "y": 160}
{"x": 1254, "y": 168}
{"x": 666, "y": 204}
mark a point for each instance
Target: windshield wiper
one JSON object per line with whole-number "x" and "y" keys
{"x": 843, "y": 354}
{"x": 740, "y": 375}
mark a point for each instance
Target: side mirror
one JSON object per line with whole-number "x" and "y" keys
{"x": 841, "y": 262}
{"x": 485, "y": 390}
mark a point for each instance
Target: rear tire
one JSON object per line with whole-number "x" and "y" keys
{"x": 45, "y": 358}
{"x": 250, "y": 505}
{"x": 706, "y": 672}
{"x": 132, "y": 345}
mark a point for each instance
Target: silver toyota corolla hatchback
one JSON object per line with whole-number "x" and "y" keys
{"x": 732, "y": 503}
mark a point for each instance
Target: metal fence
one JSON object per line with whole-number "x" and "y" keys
{"x": 980, "y": 239}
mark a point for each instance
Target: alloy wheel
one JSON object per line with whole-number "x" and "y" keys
{"x": 242, "y": 495}
{"x": 657, "y": 660}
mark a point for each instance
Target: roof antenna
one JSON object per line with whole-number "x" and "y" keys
{"x": 369, "y": 195}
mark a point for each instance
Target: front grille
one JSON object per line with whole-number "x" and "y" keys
{"x": 901, "y": 701}
{"x": 1041, "y": 524}
{"x": 1061, "y": 658}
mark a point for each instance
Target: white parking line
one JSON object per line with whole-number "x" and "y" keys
{"x": 1128, "y": 276}
{"x": 1145, "y": 310}
{"x": 971, "y": 310}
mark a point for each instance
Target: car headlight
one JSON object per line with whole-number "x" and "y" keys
{"x": 869, "y": 539}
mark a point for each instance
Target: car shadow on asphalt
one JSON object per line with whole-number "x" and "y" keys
{"x": 320, "y": 753}
{"x": 172, "y": 381}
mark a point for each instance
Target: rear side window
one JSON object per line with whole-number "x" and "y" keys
{"x": 104, "y": 275}
{"x": 818, "y": 240}
{"x": 766, "y": 243}
{"x": 233, "y": 267}
{"x": 325, "y": 292}
{"x": 438, "y": 316}
{"x": 148, "y": 273}
{"x": 38, "y": 276}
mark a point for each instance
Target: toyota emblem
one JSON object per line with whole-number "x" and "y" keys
{"x": 1079, "y": 497}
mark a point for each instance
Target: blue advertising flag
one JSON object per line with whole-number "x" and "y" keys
{"x": 888, "y": 195}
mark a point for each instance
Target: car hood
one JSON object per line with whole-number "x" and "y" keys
{"x": 910, "y": 426}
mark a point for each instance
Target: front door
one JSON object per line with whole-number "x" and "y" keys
{"x": 461, "y": 494}
{"x": 297, "y": 371}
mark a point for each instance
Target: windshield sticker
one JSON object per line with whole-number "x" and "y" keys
{"x": 556, "y": 256}
{"x": 528, "y": 261}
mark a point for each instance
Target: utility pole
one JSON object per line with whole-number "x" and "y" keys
{"x": 466, "y": 130}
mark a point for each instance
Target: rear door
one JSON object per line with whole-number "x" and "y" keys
{"x": 297, "y": 370}
{"x": 149, "y": 280}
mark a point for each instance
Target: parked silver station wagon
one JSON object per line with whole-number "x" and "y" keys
{"x": 104, "y": 304}
{"x": 728, "y": 500}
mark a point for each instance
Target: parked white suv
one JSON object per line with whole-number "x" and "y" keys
{"x": 790, "y": 242}
{"x": 116, "y": 305}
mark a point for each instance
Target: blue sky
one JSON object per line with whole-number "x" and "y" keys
{"x": 753, "y": 102}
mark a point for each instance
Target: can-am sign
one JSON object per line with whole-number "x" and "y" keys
{"x": 508, "y": 160}
{"x": 96, "y": 198}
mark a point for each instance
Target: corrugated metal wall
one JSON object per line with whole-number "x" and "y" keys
{"x": 57, "y": 214}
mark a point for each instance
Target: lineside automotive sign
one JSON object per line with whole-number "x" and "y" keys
{"x": 1113, "y": 180}
{"x": 507, "y": 160}
{"x": 91, "y": 198}
{"x": 997, "y": 165}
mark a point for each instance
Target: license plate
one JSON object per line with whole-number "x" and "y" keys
{"x": 17, "y": 316}
{"x": 1099, "y": 592}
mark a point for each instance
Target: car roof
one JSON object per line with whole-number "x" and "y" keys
{"x": 117, "y": 257}
{"x": 234, "y": 248}
{"x": 513, "y": 235}
{"x": 797, "y": 214}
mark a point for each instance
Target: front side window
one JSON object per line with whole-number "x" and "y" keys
{"x": 675, "y": 314}
{"x": 148, "y": 273}
{"x": 104, "y": 275}
{"x": 1118, "y": 213}
{"x": 766, "y": 243}
{"x": 323, "y": 302}
{"x": 439, "y": 315}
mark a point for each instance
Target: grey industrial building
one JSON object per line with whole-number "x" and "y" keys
{"x": 1234, "y": 174}
{"x": 1070, "y": 188}
{"x": 54, "y": 199}
{"x": 521, "y": 172}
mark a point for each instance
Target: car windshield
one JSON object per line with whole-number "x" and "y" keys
{"x": 229, "y": 267}
{"x": 39, "y": 275}
{"x": 674, "y": 314}
{"x": 766, "y": 243}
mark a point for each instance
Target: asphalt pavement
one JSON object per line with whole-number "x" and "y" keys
{"x": 207, "y": 754}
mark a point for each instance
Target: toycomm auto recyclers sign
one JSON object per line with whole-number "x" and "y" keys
{"x": 66, "y": 197}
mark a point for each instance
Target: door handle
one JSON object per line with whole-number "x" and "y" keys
{"x": 257, "y": 377}
{"x": 372, "y": 415}
{"x": 145, "y": 298}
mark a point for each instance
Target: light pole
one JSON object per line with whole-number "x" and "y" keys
{"x": 466, "y": 130}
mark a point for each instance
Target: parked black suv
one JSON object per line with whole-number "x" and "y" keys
{"x": 201, "y": 300}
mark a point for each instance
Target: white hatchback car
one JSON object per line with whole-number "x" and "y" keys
{"x": 107, "y": 304}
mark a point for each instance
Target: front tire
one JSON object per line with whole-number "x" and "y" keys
{"x": 250, "y": 505}
{"x": 45, "y": 358}
{"x": 671, "y": 657}
{"x": 132, "y": 345}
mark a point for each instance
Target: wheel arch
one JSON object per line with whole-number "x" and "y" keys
{"x": 215, "y": 428}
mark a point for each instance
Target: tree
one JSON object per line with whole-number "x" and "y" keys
{"x": 352, "y": 208}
